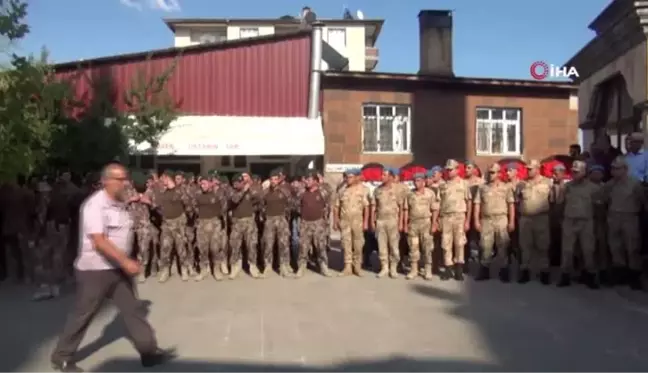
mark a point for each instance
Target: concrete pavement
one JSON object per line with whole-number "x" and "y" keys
{"x": 349, "y": 324}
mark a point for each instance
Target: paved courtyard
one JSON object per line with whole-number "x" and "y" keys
{"x": 350, "y": 324}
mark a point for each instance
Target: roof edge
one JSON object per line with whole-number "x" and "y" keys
{"x": 455, "y": 79}
{"x": 175, "y": 50}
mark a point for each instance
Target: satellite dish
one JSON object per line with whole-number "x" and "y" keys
{"x": 359, "y": 14}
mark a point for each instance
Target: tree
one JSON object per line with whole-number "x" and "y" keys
{"x": 150, "y": 109}
{"x": 31, "y": 100}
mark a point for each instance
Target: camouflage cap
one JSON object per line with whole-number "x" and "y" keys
{"x": 312, "y": 174}
{"x": 224, "y": 179}
{"x": 238, "y": 177}
{"x": 533, "y": 164}
{"x": 275, "y": 172}
{"x": 451, "y": 164}
{"x": 169, "y": 173}
{"x": 189, "y": 175}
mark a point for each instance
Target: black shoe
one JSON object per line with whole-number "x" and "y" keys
{"x": 565, "y": 280}
{"x": 504, "y": 275}
{"x": 604, "y": 278}
{"x": 635, "y": 280}
{"x": 484, "y": 274}
{"x": 591, "y": 281}
{"x": 545, "y": 278}
{"x": 458, "y": 272}
{"x": 65, "y": 366}
{"x": 583, "y": 278}
{"x": 525, "y": 277}
{"x": 446, "y": 273}
{"x": 158, "y": 357}
{"x": 620, "y": 277}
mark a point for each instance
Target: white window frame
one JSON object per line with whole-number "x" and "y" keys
{"x": 505, "y": 123}
{"x": 196, "y": 36}
{"x": 408, "y": 150}
{"x": 248, "y": 29}
{"x": 337, "y": 29}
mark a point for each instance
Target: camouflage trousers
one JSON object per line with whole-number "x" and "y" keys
{"x": 190, "y": 237}
{"x": 49, "y": 254}
{"x": 420, "y": 240}
{"x": 353, "y": 240}
{"x": 244, "y": 230}
{"x": 388, "y": 237}
{"x": 535, "y": 240}
{"x": 453, "y": 238}
{"x": 209, "y": 239}
{"x": 494, "y": 235}
{"x": 146, "y": 236}
{"x": 20, "y": 254}
{"x": 624, "y": 239}
{"x": 276, "y": 229}
{"x": 172, "y": 234}
{"x": 578, "y": 231}
{"x": 312, "y": 234}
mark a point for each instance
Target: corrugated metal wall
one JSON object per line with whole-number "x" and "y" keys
{"x": 263, "y": 79}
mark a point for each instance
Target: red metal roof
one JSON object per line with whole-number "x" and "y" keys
{"x": 265, "y": 76}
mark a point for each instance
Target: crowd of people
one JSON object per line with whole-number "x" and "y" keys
{"x": 428, "y": 223}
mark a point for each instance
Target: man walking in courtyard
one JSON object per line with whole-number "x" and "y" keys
{"x": 104, "y": 269}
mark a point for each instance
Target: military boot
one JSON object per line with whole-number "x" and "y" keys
{"x": 254, "y": 271}
{"x": 591, "y": 281}
{"x": 635, "y": 280}
{"x": 324, "y": 269}
{"x": 223, "y": 267}
{"x": 301, "y": 270}
{"x": 141, "y": 278}
{"x": 236, "y": 269}
{"x": 285, "y": 270}
{"x": 459, "y": 272}
{"x": 357, "y": 269}
{"x": 191, "y": 271}
{"x": 525, "y": 276}
{"x": 446, "y": 273}
{"x": 565, "y": 280}
{"x": 384, "y": 269}
{"x": 505, "y": 275}
{"x": 163, "y": 275}
{"x": 218, "y": 273}
{"x": 484, "y": 274}
{"x": 347, "y": 271}
{"x": 204, "y": 271}
{"x": 545, "y": 278}
{"x": 427, "y": 272}
{"x": 393, "y": 270}
{"x": 155, "y": 268}
{"x": 185, "y": 273}
{"x": 413, "y": 272}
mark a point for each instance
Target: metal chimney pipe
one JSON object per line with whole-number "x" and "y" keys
{"x": 316, "y": 71}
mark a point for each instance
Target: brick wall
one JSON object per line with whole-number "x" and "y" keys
{"x": 443, "y": 122}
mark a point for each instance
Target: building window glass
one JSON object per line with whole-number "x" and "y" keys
{"x": 202, "y": 37}
{"x": 386, "y": 128}
{"x": 248, "y": 32}
{"x": 498, "y": 131}
{"x": 336, "y": 38}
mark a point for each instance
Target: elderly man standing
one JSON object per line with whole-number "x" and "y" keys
{"x": 103, "y": 269}
{"x": 636, "y": 158}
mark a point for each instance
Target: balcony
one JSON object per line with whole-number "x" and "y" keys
{"x": 371, "y": 58}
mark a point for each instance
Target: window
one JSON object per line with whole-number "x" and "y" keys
{"x": 248, "y": 32}
{"x": 240, "y": 161}
{"x": 208, "y": 37}
{"x": 336, "y": 38}
{"x": 498, "y": 131}
{"x": 386, "y": 128}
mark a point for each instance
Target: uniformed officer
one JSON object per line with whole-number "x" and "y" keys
{"x": 434, "y": 178}
{"x": 597, "y": 176}
{"x": 244, "y": 203}
{"x": 580, "y": 197}
{"x": 211, "y": 209}
{"x": 276, "y": 206}
{"x": 557, "y": 207}
{"x": 386, "y": 221}
{"x": 351, "y": 218}
{"x": 455, "y": 212}
{"x": 421, "y": 213}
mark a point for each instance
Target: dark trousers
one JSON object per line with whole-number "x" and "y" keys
{"x": 93, "y": 288}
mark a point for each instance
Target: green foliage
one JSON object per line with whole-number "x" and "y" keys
{"x": 150, "y": 108}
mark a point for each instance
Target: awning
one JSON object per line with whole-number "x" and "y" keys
{"x": 229, "y": 135}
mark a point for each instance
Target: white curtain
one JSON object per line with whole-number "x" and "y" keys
{"x": 337, "y": 39}
{"x": 249, "y": 32}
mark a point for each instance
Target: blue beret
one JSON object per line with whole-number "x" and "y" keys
{"x": 395, "y": 171}
{"x": 559, "y": 166}
{"x": 512, "y": 166}
{"x": 419, "y": 175}
{"x": 436, "y": 169}
{"x": 353, "y": 171}
{"x": 597, "y": 167}
{"x": 429, "y": 173}
{"x": 469, "y": 163}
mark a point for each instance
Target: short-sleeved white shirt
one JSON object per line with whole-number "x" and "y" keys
{"x": 101, "y": 214}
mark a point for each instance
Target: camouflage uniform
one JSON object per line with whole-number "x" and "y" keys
{"x": 420, "y": 206}
{"x": 556, "y": 213}
{"x": 472, "y": 236}
{"x": 454, "y": 206}
{"x": 244, "y": 204}
{"x": 494, "y": 200}
{"x": 578, "y": 226}
{"x": 387, "y": 203}
{"x": 350, "y": 205}
{"x": 312, "y": 229}
{"x": 210, "y": 229}
{"x": 18, "y": 205}
{"x": 276, "y": 206}
{"x": 173, "y": 205}
{"x": 535, "y": 233}
{"x": 142, "y": 227}
{"x": 190, "y": 229}
{"x": 625, "y": 199}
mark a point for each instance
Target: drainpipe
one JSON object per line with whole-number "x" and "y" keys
{"x": 316, "y": 71}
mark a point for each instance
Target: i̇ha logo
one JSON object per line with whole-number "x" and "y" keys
{"x": 541, "y": 70}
